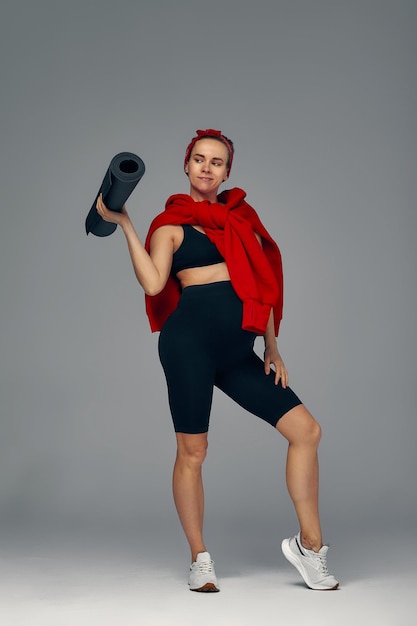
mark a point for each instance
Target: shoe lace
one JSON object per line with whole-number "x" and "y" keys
{"x": 323, "y": 564}
{"x": 206, "y": 567}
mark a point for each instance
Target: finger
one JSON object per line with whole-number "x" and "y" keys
{"x": 277, "y": 375}
{"x": 280, "y": 373}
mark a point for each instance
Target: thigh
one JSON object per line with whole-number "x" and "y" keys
{"x": 189, "y": 372}
{"x": 255, "y": 391}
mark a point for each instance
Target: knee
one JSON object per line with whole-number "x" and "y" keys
{"x": 300, "y": 427}
{"x": 313, "y": 432}
{"x": 308, "y": 435}
{"x": 192, "y": 451}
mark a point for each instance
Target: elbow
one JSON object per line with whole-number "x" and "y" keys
{"x": 153, "y": 290}
{"x": 151, "y": 285}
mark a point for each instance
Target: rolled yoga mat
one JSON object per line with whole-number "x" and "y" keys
{"x": 123, "y": 174}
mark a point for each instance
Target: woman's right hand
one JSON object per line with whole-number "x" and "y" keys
{"x": 110, "y": 216}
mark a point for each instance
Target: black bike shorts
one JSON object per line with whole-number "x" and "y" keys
{"x": 202, "y": 344}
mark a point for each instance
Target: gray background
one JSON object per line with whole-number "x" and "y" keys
{"x": 320, "y": 99}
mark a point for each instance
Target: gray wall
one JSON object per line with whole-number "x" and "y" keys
{"x": 320, "y": 99}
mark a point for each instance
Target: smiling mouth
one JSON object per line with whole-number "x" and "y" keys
{"x": 204, "y": 178}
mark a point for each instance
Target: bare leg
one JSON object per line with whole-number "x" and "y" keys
{"x": 303, "y": 434}
{"x": 188, "y": 488}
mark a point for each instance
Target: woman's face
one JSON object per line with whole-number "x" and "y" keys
{"x": 207, "y": 168}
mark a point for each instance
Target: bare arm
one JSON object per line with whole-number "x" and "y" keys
{"x": 152, "y": 270}
{"x": 271, "y": 354}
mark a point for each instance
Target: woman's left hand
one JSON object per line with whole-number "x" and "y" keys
{"x": 273, "y": 357}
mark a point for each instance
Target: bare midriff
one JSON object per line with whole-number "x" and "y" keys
{"x": 203, "y": 275}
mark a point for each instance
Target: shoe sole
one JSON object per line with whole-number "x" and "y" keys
{"x": 207, "y": 588}
{"x": 299, "y": 567}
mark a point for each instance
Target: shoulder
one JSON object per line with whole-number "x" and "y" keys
{"x": 167, "y": 233}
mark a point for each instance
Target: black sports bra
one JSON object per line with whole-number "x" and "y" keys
{"x": 196, "y": 250}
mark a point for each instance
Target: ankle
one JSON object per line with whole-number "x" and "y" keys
{"x": 310, "y": 542}
{"x": 195, "y": 553}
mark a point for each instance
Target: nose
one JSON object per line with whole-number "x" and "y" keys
{"x": 206, "y": 166}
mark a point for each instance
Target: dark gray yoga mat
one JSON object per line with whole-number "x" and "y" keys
{"x": 123, "y": 174}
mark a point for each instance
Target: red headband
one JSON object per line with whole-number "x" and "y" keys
{"x": 216, "y": 134}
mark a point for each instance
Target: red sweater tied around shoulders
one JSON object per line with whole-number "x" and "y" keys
{"x": 255, "y": 271}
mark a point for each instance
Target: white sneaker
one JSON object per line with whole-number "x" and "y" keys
{"x": 311, "y": 565}
{"x": 202, "y": 575}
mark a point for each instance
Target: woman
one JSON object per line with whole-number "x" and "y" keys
{"x": 213, "y": 282}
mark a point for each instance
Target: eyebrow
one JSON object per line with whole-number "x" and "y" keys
{"x": 203, "y": 155}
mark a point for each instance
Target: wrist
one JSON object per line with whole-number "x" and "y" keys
{"x": 125, "y": 223}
